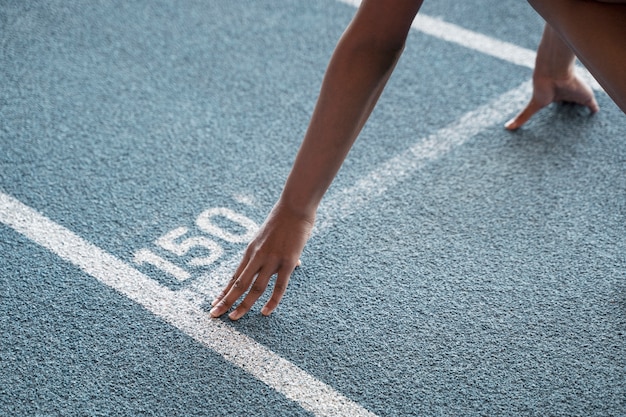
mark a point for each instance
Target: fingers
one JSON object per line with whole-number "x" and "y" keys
{"x": 533, "y": 107}
{"x": 573, "y": 90}
{"x": 258, "y": 287}
{"x": 284, "y": 274}
{"x": 525, "y": 115}
{"x": 235, "y": 288}
{"x": 240, "y": 283}
{"x": 581, "y": 93}
{"x": 593, "y": 105}
{"x": 238, "y": 271}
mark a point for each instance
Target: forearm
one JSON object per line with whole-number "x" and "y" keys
{"x": 354, "y": 80}
{"x": 356, "y": 75}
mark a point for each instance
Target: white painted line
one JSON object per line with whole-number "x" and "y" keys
{"x": 473, "y": 40}
{"x": 388, "y": 174}
{"x": 278, "y": 373}
{"x": 481, "y": 43}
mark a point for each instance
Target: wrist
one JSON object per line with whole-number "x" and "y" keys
{"x": 294, "y": 207}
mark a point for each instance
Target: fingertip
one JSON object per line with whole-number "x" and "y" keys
{"x": 511, "y": 125}
{"x": 236, "y": 315}
{"x": 266, "y": 311}
{"x": 214, "y": 313}
{"x": 220, "y": 297}
{"x": 272, "y": 303}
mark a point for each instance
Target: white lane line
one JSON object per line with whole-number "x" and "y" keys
{"x": 487, "y": 45}
{"x": 344, "y": 203}
{"x": 473, "y": 40}
{"x": 278, "y": 373}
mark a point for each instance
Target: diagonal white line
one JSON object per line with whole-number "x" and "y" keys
{"x": 473, "y": 40}
{"x": 278, "y": 373}
{"x": 391, "y": 172}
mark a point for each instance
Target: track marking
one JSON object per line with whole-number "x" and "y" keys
{"x": 239, "y": 349}
{"x": 487, "y": 45}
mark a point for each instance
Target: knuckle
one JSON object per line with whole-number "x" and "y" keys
{"x": 279, "y": 288}
{"x": 256, "y": 289}
{"x": 244, "y": 306}
{"x": 233, "y": 279}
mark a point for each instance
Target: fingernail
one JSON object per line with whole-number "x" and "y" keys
{"x": 234, "y": 315}
{"x": 213, "y": 312}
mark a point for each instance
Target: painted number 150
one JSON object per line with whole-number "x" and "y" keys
{"x": 177, "y": 244}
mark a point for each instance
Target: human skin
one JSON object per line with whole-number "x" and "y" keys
{"x": 593, "y": 31}
{"x": 356, "y": 75}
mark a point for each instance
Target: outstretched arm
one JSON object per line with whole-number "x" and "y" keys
{"x": 356, "y": 75}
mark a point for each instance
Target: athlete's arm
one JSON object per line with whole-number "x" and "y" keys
{"x": 356, "y": 75}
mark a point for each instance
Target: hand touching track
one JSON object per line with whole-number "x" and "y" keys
{"x": 554, "y": 80}
{"x": 275, "y": 250}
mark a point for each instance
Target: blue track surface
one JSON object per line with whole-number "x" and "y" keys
{"x": 489, "y": 280}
